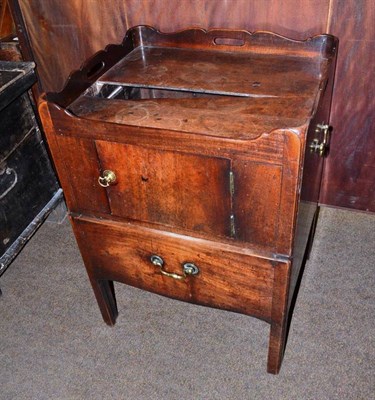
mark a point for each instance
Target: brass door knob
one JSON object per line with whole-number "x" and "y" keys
{"x": 108, "y": 178}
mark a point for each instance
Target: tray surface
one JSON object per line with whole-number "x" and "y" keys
{"x": 217, "y": 72}
{"x": 244, "y": 118}
{"x": 232, "y": 84}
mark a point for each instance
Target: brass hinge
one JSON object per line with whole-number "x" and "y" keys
{"x": 231, "y": 183}
{"x": 231, "y": 191}
{"x": 321, "y": 147}
{"x": 232, "y": 226}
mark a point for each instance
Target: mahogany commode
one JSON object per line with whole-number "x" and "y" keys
{"x": 191, "y": 166}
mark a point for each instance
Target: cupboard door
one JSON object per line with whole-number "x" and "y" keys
{"x": 170, "y": 188}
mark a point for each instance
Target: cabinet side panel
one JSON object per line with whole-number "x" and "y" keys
{"x": 313, "y": 163}
{"x": 78, "y": 168}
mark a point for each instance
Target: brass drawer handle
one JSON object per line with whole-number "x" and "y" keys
{"x": 188, "y": 268}
{"x": 108, "y": 178}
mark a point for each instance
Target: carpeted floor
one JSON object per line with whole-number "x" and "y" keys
{"x": 54, "y": 345}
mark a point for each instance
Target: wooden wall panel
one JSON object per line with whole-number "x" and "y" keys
{"x": 290, "y": 18}
{"x": 64, "y": 33}
{"x": 349, "y": 172}
{"x": 6, "y": 21}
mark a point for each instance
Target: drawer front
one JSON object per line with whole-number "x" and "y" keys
{"x": 226, "y": 279}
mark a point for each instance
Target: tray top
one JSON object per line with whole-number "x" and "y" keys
{"x": 209, "y": 82}
{"x": 217, "y": 72}
{"x": 240, "y": 118}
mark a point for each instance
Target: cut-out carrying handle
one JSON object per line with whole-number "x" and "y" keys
{"x": 229, "y": 38}
{"x": 227, "y": 41}
{"x": 94, "y": 70}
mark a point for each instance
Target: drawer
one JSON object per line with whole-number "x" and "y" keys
{"x": 226, "y": 279}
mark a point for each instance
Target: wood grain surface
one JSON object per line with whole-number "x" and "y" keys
{"x": 6, "y": 21}
{"x": 228, "y": 279}
{"x": 170, "y": 188}
{"x": 349, "y": 171}
{"x": 244, "y": 118}
{"x": 230, "y": 73}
